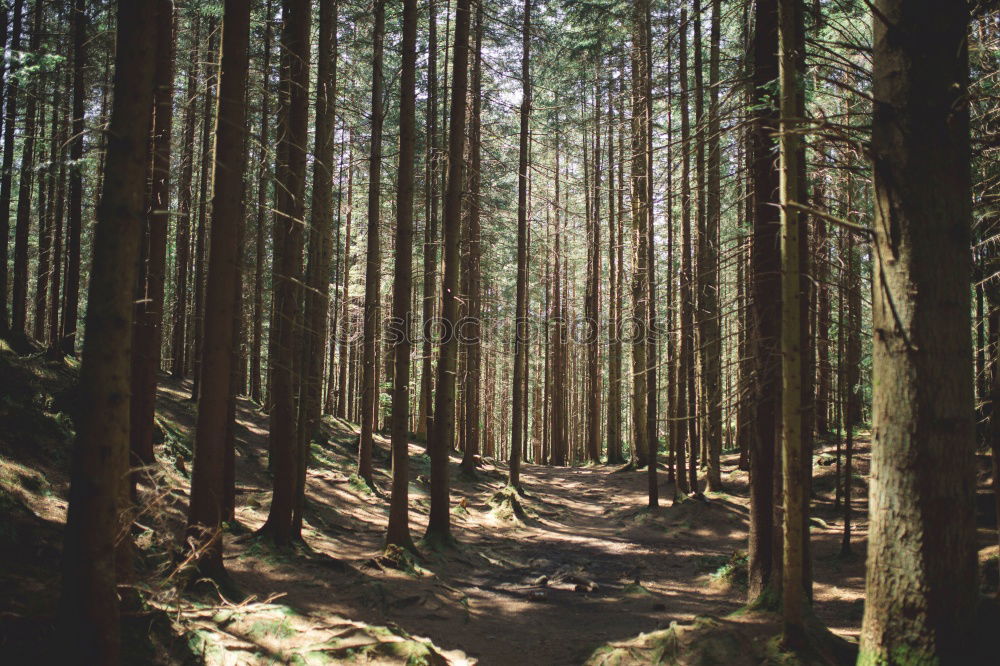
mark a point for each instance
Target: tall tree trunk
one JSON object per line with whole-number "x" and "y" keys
{"x": 22, "y": 223}
{"x": 614, "y": 423}
{"x": 75, "y": 223}
{"x": 53, "y": 337}
{"x": 88, "y": 613}
{"x": 211, "y": 77}
{"x": 263, "y": 186}
{"x": 425, "y": 413}
{"x": 708, "y": 267}
{"x": 207, "y": 478}
{"x": 922, "y": 539}
{"x": 148, "y": 317}
{"x": 317, "y": 291}
{"x": 343, "y": 392}
{"x": 398, "y": 532}
{"x": 474, "y": 297}
{"x": 290, "y": 210}
{"x": 373, "y": 262}
{"x": 593, "y": 313}
{"x": 644, "y": 29}
{"x": 789, "y": 33}
{"x": 6, "y": 169}
{"x": 684, "y": 401}
{"x": 521, "y": 307}
{"x": 766, "y": 306}
{"x": 640, "y": 254}
{"x": 443, "y": 433}
{"x": 182, "y": 252}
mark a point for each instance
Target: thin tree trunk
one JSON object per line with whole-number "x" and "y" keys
{"x": 789, "y": 33}
{"x": 22, "y": 224}
{"x": 373, "y": 262}
{"x": 208, "y": 478}
{"x": 317, "y": 287}
{"x": 443, "y": 433}
{"x": 766, "y": 304}
{"x": 178, "y": 345}
{"x": 521, "y": 307}
{"x": 290, "y": 209}
{"x": 71, "y": 299}
{"x": 148, "y": 317}
{"x": 263, "y": 185}
{"x": 425, "y": 414}
{"x": 398, "y": 532}
{"x": 474, "y": 297}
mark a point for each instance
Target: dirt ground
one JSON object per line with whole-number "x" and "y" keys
{"x": 588, "y": 563}
{"x": 584, "y": 564}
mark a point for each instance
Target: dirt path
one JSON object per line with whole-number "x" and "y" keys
{"x": 587, "y": 564}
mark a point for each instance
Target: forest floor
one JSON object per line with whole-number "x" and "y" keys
{"x": 584, "y": 565}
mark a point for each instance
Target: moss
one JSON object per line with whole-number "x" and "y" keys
{"x": 734, "y": 572}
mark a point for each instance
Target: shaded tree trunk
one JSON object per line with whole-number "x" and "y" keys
{"x": 88, "y": 613}
{"x": 521, "y": 306}
{"x": 290, "y": 209}
{"x": 373, "y": 263}
{"x": 398, "y": 532}
{"x": 147, "y": 322}
{"x": 221, "y": 295}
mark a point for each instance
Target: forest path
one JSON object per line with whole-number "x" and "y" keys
{"x": 588, "y": 563}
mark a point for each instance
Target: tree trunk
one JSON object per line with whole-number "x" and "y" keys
{"x": 521, "y": 307}
{"x": 178, "y": 344}
{"x": 708, "y": 268}
{"x": 373, "y": 268}
{"x": 290, "y": 209}
{"x": 207, "y": 478}
{"x": 398, "y": 533}
{"x": 442, "y": 437}
{"x": 922, "y": 538}
{"x": 790, "y": 27}
{"x": 147, "y": 322}
{"x": 6, "y": 170}
{"x": 425, "y": 413}
{"x": 766, "y": 307}
{"x": 474, "y": 297}
{"x": 263, "y": 185}
{"x": 22, "y": 224}
{"x": 75, "y": 222}
{"x": 317, "y": 291}
{"x": 89, "y": 618}
{"x": 198, "y": 319}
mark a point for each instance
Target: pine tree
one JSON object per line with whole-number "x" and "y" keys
{"x": 89, "y": 617}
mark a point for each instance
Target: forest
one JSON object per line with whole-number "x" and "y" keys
{"x": 445, "y": 332}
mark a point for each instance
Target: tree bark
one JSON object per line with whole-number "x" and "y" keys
{"x": 373, "y": 263}
{"x": 398, "y": 532}
{"x": 443, "y": 434}
{"x": 921, "y": 581}
{"x": 766, "y": 307}
{"x": 521, "y": 306}
{"x": 207, "y": 477}
{"x": 88, "y": 613}
{"x": 290, "y": 209}
{"x": 147, "y": 325}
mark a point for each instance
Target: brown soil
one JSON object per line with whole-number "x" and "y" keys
{"x": 584, "y": 565}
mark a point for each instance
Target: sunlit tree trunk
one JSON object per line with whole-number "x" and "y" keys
{"x": 920, "y": 592}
